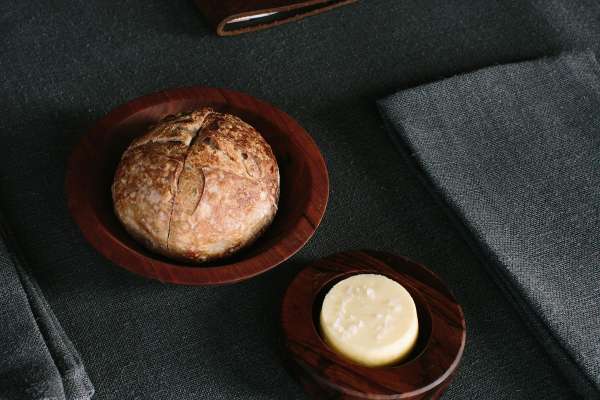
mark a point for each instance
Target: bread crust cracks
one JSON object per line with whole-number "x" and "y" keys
{"x": 200, "y": 135}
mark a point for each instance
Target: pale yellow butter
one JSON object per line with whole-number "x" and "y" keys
{"x": 370, "y": 319}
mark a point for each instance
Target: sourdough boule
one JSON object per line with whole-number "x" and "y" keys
{"x": 197, "y": 186}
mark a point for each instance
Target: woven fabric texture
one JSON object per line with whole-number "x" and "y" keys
{"x": 64, "y": 64}
{"x": 514, "y": 150}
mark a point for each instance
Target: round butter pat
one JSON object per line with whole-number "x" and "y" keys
{"x": 370, "y": 319}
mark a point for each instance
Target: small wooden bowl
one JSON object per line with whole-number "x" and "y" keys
{"x": 424, "y": 374}
{"x": 303, "y": 198}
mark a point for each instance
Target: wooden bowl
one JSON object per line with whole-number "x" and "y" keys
{"x": 424, "y": 374}
{"x": 304, "y": 186}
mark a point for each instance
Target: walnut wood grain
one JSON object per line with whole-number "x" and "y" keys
{"x": 424, "y": 374}
{"x": 302, "y": 203}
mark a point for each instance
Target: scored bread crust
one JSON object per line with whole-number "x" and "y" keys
{"x": 198, "y": 186}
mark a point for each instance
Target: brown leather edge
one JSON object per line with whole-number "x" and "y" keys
{"x": 219, "y": 22}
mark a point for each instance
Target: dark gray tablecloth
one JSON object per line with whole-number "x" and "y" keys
{"x": 37, "y": 359}
{"x": 514, "y": 151}
{"x": 65, "y": 63}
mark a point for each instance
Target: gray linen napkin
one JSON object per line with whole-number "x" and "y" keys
{"x": 514, "y": 152}
{"x": 37, "y": 359}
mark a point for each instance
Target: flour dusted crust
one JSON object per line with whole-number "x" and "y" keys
{"x": 198, "y": 186}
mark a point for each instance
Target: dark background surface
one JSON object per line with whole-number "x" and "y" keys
{"x": 65, "y": 64}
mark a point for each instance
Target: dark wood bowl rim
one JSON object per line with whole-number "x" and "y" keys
{"x": 172, "y": 271}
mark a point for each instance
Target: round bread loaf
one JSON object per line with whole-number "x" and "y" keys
{"x": 198, "y": 186}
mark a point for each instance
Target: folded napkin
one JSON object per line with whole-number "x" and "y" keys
{"x": 232, "y": 17}
{"x": 514, "y": 152}
{"x": 37, "y": 359}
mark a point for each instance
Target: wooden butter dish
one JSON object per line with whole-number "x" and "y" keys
{"x": 423, "y": 374}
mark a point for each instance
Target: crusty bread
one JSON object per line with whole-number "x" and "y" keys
{"x": 198, "y": 186}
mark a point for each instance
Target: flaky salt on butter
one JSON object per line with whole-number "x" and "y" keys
{"x": 370, "y": 319}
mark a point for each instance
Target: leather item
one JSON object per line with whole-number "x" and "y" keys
{"x": 232, "y": 17}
